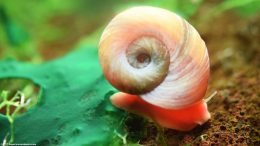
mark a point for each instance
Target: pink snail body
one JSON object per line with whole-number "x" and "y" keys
{"x": 161, "y": 65}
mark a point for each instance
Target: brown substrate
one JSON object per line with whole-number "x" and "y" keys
{"x": 234, "y": 50}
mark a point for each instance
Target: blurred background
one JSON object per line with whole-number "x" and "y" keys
{"x": 39, "y": 31}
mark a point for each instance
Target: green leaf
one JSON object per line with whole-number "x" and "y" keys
{"x": 74, "y": 108}
{"x": 245, "y": 7}
{"x": 252, "y": 8}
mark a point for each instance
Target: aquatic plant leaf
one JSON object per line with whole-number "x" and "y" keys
{"x": 244, "y": 7}
{"x": 252, "y": 8}
{"x": 73, "y": 109}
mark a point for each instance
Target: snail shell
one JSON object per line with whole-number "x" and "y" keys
{"x": 156, "y": 54}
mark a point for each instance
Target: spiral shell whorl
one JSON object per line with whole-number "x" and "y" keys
{"x": 173, "y": 68}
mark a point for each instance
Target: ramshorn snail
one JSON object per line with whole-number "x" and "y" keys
{"x": 161, "y": 65}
